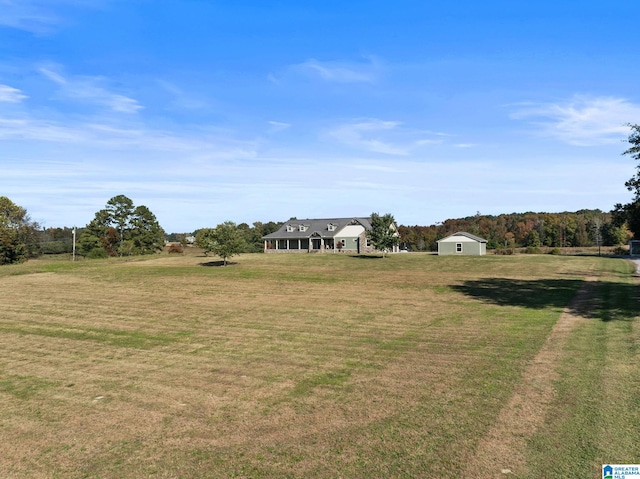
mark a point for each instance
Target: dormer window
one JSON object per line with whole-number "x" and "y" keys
{"x": 331, "y": 227}
{"x": 302, "y": 228}
{"x": 290, "y": 229}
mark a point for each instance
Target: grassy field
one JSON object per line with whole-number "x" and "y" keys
{"x": 321, "y": 366}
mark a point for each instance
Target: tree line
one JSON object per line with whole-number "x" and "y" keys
{"x": 121, "y": 229}
{"x": 583, "y": 228}
{"x": 516, "y": 230}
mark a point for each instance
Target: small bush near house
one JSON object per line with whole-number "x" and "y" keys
{"x": 504, "y": 251}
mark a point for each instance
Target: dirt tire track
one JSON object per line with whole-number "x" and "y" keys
{"x": 500, "y": 453}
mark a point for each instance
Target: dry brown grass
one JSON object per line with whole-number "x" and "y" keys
{"x": 305, "y": 366}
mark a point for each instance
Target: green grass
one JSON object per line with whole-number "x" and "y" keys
{"x": 23, "y": 387}
{"x": 308, "y": 365}
{"x": 595, "y": 418}
{"x": 330, "y": 379}
{"x": 114, "y": 337}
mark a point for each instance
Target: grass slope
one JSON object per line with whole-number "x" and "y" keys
{"x": 306, "y": 365}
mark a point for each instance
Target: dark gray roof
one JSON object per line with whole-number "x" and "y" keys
{"x": 468, "y": 235}
{"x": 318, "y": 226}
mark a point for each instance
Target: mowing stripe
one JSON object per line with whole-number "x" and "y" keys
{"x": 500, "y": 453}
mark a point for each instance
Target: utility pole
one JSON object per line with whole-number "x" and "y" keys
{"x": 597, "y": 233}
{"x": 74, "y": 244}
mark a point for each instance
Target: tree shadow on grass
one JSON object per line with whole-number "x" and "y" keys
{"x": 366, "y": 256}
{"x": 606, "y": 301}
{"x": 217, "y": 263}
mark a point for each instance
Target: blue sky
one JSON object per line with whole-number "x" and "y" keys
{"x": 207, "y": 111}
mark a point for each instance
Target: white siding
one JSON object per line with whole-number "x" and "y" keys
{"x": 351, "y": 231}
{"x": 457, "y": 239}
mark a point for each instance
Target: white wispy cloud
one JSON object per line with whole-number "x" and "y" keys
{"x": 380, "y": 136}
{"x": 277, "y": 126}
{"x": 367, "y": 71}
{"x": 25, "y": 15}
{"x": 39, "y": 16}
{"x": 53, "y": 75}
{"x": 582, "y": 120}
{"x": 96, "y": 134}
{"x": 367, "y": 136}
{"x": 339, "y": 72}
{"x": 39, "y": 130}
{"x": 11, "y": 95}
{"x": 90, "y": 90}
{"x": 183, "y": 99}
{"x": 372, "y": 166}
{"x": 465, "y": 145}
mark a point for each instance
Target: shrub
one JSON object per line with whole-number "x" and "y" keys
{"x": 620, "y": 250}
{"x": 555, "y": 251}
{"x": 532, "y": 250}
{"x": 57, "y": 247}
{"x": 98, "y": 253}
{"x": 175, "y": 249}
{"x": 504, "y": 251}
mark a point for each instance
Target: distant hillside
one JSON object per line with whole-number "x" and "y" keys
{"x": 582, "y": 228}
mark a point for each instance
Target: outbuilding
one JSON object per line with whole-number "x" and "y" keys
{"x": 462, "y": 243}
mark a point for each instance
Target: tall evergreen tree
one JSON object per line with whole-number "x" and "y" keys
{"x": 146, "y": 234}
{"x": 119, "y": 210}
{"x": 630, "y": 213}
{"x": 122, "y": 229}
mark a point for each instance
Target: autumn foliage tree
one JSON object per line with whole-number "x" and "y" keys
{"x": 18, "y": 234}
{"x": 515, "y": 230}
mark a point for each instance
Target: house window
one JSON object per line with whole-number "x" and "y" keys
{"x": 302, "y": 228}
{"x": 331, "y": 227}
{"x": 458, "y": 247}
{"x": 368, "y": 242}
{"x": 290, "y": 228}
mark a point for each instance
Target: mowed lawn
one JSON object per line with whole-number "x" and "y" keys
{"x": 320, "y": 366}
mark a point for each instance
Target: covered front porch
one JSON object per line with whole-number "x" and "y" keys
{"x": 314, "y": 244}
